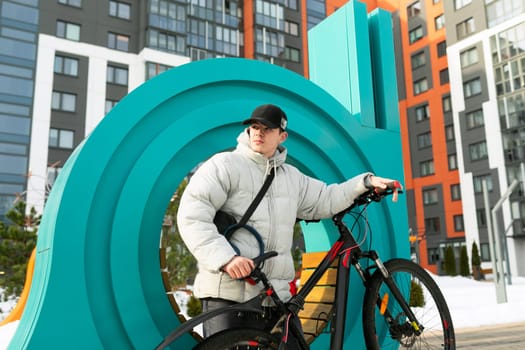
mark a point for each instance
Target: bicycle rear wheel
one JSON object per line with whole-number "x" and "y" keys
{"x": 245, "y": 339}
{"x": 386, "y": 326}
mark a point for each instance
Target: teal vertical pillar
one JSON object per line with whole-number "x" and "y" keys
{"x": 340, "y": 62}
{"x": 351, "y": 55}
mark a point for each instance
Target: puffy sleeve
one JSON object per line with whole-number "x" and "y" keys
{"x": 319, "y": 200}
{"x": 205, "y": 193}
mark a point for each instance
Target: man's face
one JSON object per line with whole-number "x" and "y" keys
{"x": 265, "y": 140}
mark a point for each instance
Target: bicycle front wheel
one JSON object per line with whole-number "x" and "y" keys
{"x": 245, "y": 339}
{"x": 385, "y": 324}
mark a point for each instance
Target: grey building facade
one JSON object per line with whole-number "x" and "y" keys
{"x": 486, "y": 54}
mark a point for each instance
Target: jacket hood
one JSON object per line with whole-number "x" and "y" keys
{"x": 243, "y": 147}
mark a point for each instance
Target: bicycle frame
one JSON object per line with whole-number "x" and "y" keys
{"x": 349, "y": 253}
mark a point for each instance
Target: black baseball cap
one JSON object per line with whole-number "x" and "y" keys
{"x": 269, "y": 115}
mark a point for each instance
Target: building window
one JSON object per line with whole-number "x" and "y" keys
{"x": 170, "y": 15}
{"x": 418, "y": 60}
{"x": 432, "y": 225}
{"x": 512, "y": 109}
{"x": 198, "y": 54}
{"x": 66, "y": 65}
{"x": 117, "y": 75}
{"x": 510, "y": 77}
{"x": 414, "y": 9}
{"x": 422, "y": 113}
{"x": 465, "y": 28}
{"x": 270, "y": 14}
{"x": 63, "y": 101}
{"x": 291, "y": 54}
{"x": 445, "y": 104}
{"x": 291, "y": 28}
{"x": 74, "y": 3}
{"x": 66, "y": 30}
{"x": 472, "y": 87}
{"x": 109, "y": 105}
{"x": 433, "y": 256}
{"x": 484, "y": 251}
{"x": 455, "y": 192}
{"x": 426, "y": 168}
{"x": 61, "y": 138}
{"x": 154, "y": 69}
{"x": 118, "y": 42}
{"x": 475, "y": 119}
{"x": 508, "y": 44}
{"x": 442, "y": 48}
{"x": 177, "y": 43}
{"x": 443, "y": 76}
{"x": 415, "y": 34}
{"x": 227, "y": 40}
{"x": 449, "y": 132}
{"x": 478, "y": 151}
{"x": 420, "y": 86}
{"x": 439, "y": 22}
{"x": 269, "y": 43}
{"x": 481, "y": 218}
{"x": 469, "y": 57}
{"x": 452, "y": 161}
{"x": 424, "y": 140}
{"x": 499, "y": 11}
{"x": 478, "y": 183}
{"x": 119, "y": 9}
{"x": 458, "y": 223}
{"x": 430, "y": 196}
{"x": 291, "y": 4}
{"x": 461, "y": 3}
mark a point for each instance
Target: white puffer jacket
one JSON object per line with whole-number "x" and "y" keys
{"x": 229, "y": 181}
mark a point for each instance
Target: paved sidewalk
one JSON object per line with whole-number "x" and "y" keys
{"x": 506, "y": 336}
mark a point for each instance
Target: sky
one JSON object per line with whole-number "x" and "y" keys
{"x": 471, "y": 303}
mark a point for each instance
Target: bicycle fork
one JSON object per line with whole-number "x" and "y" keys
{"x": 398, "y": 296}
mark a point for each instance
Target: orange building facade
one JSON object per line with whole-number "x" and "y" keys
{"x": 430, "y": 162}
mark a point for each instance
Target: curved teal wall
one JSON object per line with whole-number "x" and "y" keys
{"x": 97, "y": 283}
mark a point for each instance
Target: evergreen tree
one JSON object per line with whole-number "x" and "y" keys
{"x": 464, "y": 269}
{"x": 417, "y": 299}
{"x": 181, "y": 265}
{"x": 475, "y": 261}
{"x": 17, "y": 241}
{"x": 194, "y": 307}
{"x": 450, "y": 262}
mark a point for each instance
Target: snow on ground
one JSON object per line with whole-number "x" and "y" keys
{"x": 471, "y": 303}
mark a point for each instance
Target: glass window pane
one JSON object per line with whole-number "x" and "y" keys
{"x": 19, "y": 13}
{"x": 71, "y": 66}
{"x": 14, "y": 125}
{"x": 73, "y": 32}
{"x": 55, "y": 100}
{"x": 16, "y": 86}
{"x": 13, "y": 164}
{"x": 53, "y": 137}
{"x": 69, "y": 102}
{"x": 66, "y": 139}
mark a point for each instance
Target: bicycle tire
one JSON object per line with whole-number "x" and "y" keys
{"x": 241, "y": 338}
{"x": 427, "y": 303}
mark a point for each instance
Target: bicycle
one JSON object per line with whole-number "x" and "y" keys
{"x": 402, "y": 305}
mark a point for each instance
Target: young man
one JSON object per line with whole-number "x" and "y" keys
{"x": 229, "y": 181}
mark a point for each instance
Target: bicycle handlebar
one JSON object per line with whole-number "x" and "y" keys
{"x": 375, "y": 195}
{"x": 263, "y": 257}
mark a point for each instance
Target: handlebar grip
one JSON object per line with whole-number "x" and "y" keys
{"x": 261, "y": 258}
